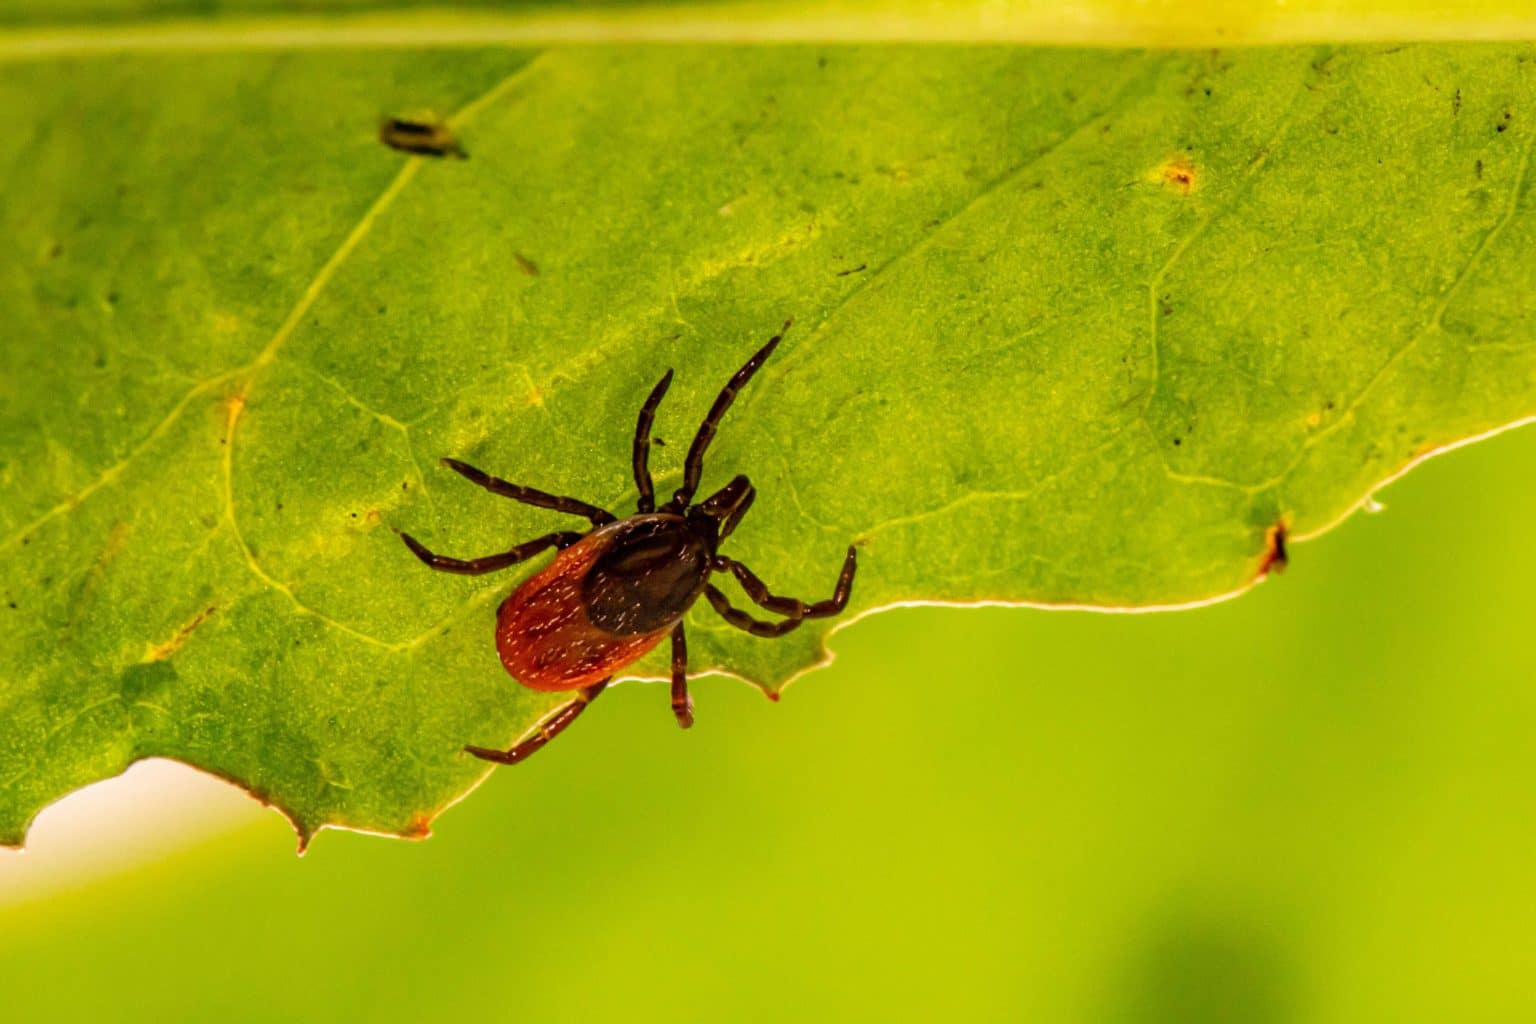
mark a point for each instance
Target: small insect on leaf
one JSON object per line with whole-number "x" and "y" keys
{"x": 615, "y": 591}
{"x": 421, "y": 136}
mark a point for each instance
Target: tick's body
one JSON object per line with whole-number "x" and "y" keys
{"x": 603, "y": 602}
{"x": 613, "y": 593}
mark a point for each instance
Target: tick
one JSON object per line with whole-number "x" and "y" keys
{"x": 613, "y": 592}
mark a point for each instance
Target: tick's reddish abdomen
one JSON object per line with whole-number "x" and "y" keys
{"x": 543, "y": 633}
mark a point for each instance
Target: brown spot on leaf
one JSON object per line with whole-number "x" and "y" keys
{"x": 82, "y": 606}
{"x": 305, "y": 834}
{"x": 420, "y": 136}
{"x": 526, "y": 265}
{"x": 162, "y": 651}
{"x": 114, "y": 545}
{"x": 1180, "y": 173}
{"x": 1275, "y": 557}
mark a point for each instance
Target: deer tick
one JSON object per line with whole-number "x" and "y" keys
{"x": 613, "y": 593}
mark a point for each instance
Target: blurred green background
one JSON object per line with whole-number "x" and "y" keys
{"x": 1313, "y": 803}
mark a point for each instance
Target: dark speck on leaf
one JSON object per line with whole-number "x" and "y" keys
{"x": 1178, "y": 441}
{"x": 526, "y": 265}
{"x": 422, "y": 137}
{"x": 1275, "y": 555}
{"x": 855, "y": 270}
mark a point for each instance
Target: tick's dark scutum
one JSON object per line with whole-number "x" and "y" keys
{"x": 654, "y": 568}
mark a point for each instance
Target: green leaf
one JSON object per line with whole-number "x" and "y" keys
{"x": 1072, "y": 327}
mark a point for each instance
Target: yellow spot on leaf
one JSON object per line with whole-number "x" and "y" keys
{"x": 1178, "y": 173}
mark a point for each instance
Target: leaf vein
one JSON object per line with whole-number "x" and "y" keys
{"x": 236, "y": 404}
{"x": 1243, "y": 188}
{"x": 990, "y": 188}
{"x": 1446, "y": 297}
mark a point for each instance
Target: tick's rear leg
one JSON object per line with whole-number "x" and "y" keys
{"x": 547, "y": 730}
{"x": 490, "y": 563}
{"x": 682, "y": 704}
{"x": 530, "y": 495}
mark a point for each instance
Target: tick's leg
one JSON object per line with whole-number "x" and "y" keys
{"x": 758, "y": 591}
{"x": 530, "y": 496}
{"x": 693, "y": 467}
{"x": 682, "y": 704}
{"x": 643, "y": 444}
{"x": 741, "y": 620}
{"x": 490, "y": 563}
{"x": 547, "y": 730}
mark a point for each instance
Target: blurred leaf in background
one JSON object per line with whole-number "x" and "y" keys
{"x": 1313, "y": 804}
